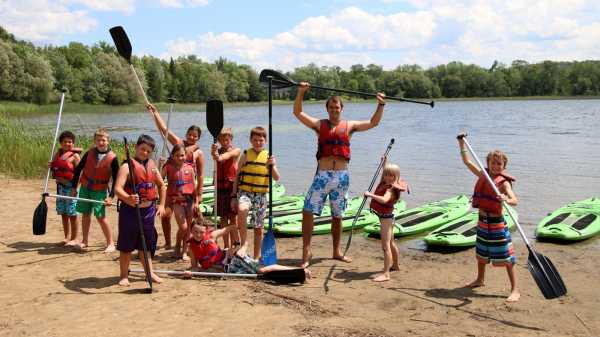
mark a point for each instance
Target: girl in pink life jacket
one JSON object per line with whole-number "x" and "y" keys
{"x": 494, "y": 242}
{"x": 181, "y": 196}
{"x": 383, "y": 200}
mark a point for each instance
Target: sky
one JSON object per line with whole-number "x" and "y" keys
{"x": 287, "y": 34}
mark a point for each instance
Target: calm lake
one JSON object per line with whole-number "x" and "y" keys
{"x": 553, "y": 145}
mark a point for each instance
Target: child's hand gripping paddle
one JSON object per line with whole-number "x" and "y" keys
{"x": 41, "y": 211}
{"x": 541, "y": 268}
{"x": 214, "y": 123}
{"x": 268, "y": 250}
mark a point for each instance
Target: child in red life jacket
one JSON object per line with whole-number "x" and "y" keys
{"x": 63, "y": 168}
{"x": 383, "y": 200}
{"x": 181, "y": 196}
{"x": 150, "y": 187}
{"x": 97, "y": 168}
{"x": 226, "y": 156}
{"x": 494, "y": 243}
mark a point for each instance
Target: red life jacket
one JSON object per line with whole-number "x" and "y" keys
{"x": 180, "y": 181}
{"x": 144, "y": 181}
{"x": 96, "y": 175}
{"x": 226, "y": 171}
{"x": 62, "y": 166}
{"x": 206, "y": 251}
{"x": 484, "y": 196}
{"x": 334, "y": 141}
{"x": 387, "y": 208}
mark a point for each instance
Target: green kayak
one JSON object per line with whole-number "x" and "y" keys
{"x": 322, "y": 224}
{"x": 208, "y": 197}
{"x": 462, "y": 232}
{"x": 426, "y": 217}
{"x": 573, "y": 222}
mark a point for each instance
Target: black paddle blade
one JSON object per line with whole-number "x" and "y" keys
{"x": 545, "y": 275}
{"x": 121, "y": 42}
{"x": 214, "y": 117}
{"x": 280, "y": 81}
{"x": 39, "y": 218}
{"x": 285, "y": 276}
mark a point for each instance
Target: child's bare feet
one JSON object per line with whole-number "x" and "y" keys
{"x": 306, "y": 261}
{"x": 514, "y": 296}
{"x": 475, "y": 284}
{"x": 124, "y": 282}
{"x": 395, "y": 268}
{"x": 185, "y": 257}
{"x": 382, "y": 277}
{"x": 109, "y": 249}
{"x": 71, "y": 243}
{"x": 62, "y": 243}
{"x": 155, "y": 278}
{"x": 342, "y": 258}
{"x": 82, "y": 246}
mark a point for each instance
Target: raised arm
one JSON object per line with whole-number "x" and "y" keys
{"x": 310, "y": 122}
{"x": 161, "y": 125}
{"x": 233, "y": 153}
{"x": 465, "y": 156}
{"x": 375, "y": 119}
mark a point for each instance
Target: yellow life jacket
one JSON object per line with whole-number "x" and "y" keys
{"x": 254, "y": 175}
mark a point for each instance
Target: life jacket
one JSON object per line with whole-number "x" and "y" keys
{"x": 144, "y": 181}
{"x": 226, "y": 171}
{"x": 62, "y": 167}
{"x": 484, "y": 196}
{"x": 387, "y": 208}
{"x": 96, "y": 175}
{"x": 254, "y": 175}
{"x": 334, "y": 141}
{"x": 180, "y": 181}
{"x": 206, "y": 251}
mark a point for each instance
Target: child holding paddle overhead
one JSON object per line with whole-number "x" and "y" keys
{"x": 181, "y": 196}
{"x": 193, "y": 156}
{"x": 253, "y": 184}
{"x": 494, "y": 243}
{"x": 226, "y": 156}
{"x": 383, "y": 200}
{"x": 97, "y": 168}
{"x": 150, "y": 188}
{"x": 63, "y": 168}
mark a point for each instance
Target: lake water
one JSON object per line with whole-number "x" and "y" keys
{"x": 553, "y": 145}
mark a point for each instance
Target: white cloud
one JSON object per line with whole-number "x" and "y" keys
{"x": 125, "y": 6}
{"x": 183, "y": 3}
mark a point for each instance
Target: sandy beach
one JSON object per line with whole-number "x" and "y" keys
{"x": 48, "y": 290}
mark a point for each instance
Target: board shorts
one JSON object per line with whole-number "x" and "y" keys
{"x": 65, "y": 206}
{"x": 332, "y": 184}
{"x": 242, "y": 265}
{"x": 494, "y": 243}
{"x": 87, "y": 207}
{"x": 224, "y": 203}
{"x": 129, "y": 230}
{"x": 186, "y": 202}
{"x": 258, "y": 206}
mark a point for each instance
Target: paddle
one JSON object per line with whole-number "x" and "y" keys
{"x": 541, "y": 268}
{"x": 214, "y": 123}
{"x": 139, "y": 218}
{"x": 165, "y": 145}
{"x": 268, "y": 250}
{"x": 362, "y": 204}
{"x": 281, "y": 81}
{"x": 296, "y": 275}
{"x": 41, "y": 211}
{"x": 76, "y": 199}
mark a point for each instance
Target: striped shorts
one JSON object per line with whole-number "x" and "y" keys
{"x": 494, "y": 243}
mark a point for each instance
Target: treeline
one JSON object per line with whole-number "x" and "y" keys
{"x": 97, "y": 75}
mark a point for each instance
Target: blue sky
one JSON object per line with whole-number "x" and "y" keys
{"x": 287, "y": 34}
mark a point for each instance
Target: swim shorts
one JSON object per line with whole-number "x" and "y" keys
{"x": 332, "y": 184}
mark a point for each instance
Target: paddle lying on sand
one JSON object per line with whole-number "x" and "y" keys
{"x": 541, "y": 268}
{"x": 281, "y": 81}
{"x": 296, "y": 275}
{"x": 268, "y": 250}
{"x": 139, "y": 218}
{"x": 362, "y": 204}
{"x": 214, "y": 124}
{"x": 41, "y": 211}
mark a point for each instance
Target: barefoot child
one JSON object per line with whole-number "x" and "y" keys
{"x": 383, "y": 200}
{"x": 97, "y": 167}
{"x": 63, "y": 168}
{"x": 226, "y": 157}
{"x": 181, "y": 196}
{"x": 494, "y": 242}
{"x": 253, "y": 184}
{"x": 149, "y": 187}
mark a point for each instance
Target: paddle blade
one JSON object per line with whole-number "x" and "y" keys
{"x": 280, "y": 81}
{"x": 545, "y": 275}
{"x": 268, "y": 251}
{"x": 121, "y": 42}
{"x": 39, "y": 218}
{"x": 214, "y": 117}
{"x": 285, "y": 276}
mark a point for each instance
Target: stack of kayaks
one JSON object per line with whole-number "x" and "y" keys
{"x": 573, "y": 222}
{"x": 426, "y": 217}
{"x": 461, "y": 232}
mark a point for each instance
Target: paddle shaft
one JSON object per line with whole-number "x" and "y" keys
{"x": 198, "y": 273}
{"x": 165, "y": 137}
{"x": 62, "y": 101}
{"x": 75, "y": 198}
{"x": 270, "y": 90}
{"x": 216, "y": 186}
{"x": 139, "y": 82}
